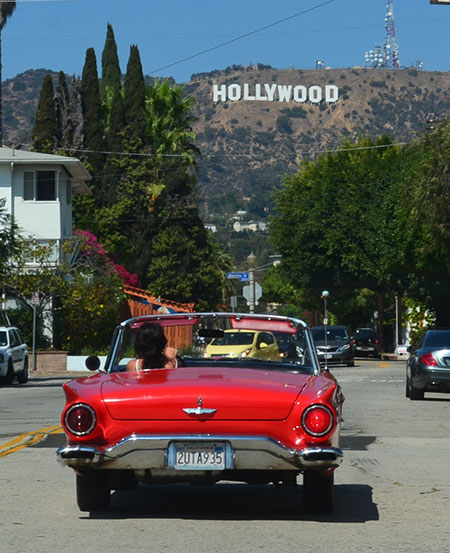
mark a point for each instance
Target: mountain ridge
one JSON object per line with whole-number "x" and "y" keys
{"x": 249, "y": 144}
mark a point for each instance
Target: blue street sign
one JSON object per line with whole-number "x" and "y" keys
{"x": 239, "y": 276}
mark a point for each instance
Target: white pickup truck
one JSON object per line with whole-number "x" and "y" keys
{"x": 13, "y": 356}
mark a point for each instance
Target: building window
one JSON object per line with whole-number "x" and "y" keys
{"x": 39, "y": 186}
{"x": 28, "y": 186}
{"x": 68, "y": 191}
{"x": 45, "y": 186}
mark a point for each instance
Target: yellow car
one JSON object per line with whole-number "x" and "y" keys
{"x": 241, "y": 344}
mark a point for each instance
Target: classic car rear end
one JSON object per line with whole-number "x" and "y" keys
{"x": 251, "y": 420}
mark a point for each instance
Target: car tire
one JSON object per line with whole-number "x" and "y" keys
{"x": 408, "y": 387}
{"x": 93, "y": 492}
{"x": 351, "y": 364}
{"x": 9, "y": 376}
{"x": 22, "y": 377}
{"x": 318, "y": 491}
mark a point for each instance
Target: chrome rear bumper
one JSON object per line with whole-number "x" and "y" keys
{"x": 244, "y": 453}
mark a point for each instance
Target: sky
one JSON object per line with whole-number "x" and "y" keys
{"x": 55, "y": 34}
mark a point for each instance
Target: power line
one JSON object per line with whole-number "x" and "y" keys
{"x": 246, "y": 156}
{"x": 245, "y": 35}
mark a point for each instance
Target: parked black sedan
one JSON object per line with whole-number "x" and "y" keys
{"x": 365, "y": 342}
{"x": 428, "y": 366}
{"x": 333, "y": 344}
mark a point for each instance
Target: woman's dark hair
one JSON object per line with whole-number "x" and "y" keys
{"x": 150, "y": 345}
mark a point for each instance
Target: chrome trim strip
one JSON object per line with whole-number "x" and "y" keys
{"x": 245, "y": 452}
{"x": 198, "y": 411}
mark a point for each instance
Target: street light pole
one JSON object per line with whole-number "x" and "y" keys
{"x": 325, "y": 295}
{"x": 251, "y": 260}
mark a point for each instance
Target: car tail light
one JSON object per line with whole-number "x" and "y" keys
{"x": 318, "y": 420}
{"x": 428, "y": 359}
{"x": 376, "y": 340}
{"x": 80, "y": 419}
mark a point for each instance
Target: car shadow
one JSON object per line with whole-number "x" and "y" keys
{"x": 41, "y": 382}
{"x": 235, "y": 502}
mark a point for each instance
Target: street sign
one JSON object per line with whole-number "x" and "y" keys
{"x": 239, "y": 276}
{"x": 246, "y": 293}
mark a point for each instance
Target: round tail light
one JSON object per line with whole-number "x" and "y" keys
{"x": 80, "y": 419}
{"x": 318, "y": 420}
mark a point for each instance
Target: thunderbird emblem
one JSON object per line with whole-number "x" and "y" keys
{"x": 199, "y": 410}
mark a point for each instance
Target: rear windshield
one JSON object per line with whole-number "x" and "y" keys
{"x": 365, "y": 334}
{"x": 3, "y": 338}
{"x": 234, "y": 339}
{"x": 437, "y": 339}
{"x": 332, "y": 334}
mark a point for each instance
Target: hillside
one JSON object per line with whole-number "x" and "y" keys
{"x": 249, "y": 144}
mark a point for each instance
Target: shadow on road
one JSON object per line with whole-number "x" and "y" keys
{"x": 235, "y": 502}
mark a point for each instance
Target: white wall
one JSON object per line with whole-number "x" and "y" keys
{"x": 37, "y": 218}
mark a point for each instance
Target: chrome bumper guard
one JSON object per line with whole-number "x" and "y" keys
{"x": 247, "y": 453}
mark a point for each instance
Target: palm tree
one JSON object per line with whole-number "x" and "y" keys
{"x": 6, "y": 9}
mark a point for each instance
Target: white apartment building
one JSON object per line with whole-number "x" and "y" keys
{"x": 36, "y": 189}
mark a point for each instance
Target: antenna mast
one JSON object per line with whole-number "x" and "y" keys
{"x": 391, "y": 43}
{"x": 386, "y": 55}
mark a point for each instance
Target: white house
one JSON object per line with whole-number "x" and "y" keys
{"x": 36, "y": 189}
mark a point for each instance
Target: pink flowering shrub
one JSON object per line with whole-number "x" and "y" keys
{"x": 92, "y": 247}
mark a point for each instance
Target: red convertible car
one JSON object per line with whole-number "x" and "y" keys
{"x": 225, "y": 417}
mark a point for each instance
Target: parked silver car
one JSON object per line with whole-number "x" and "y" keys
{"x": 428, "y": 366}
{"x": 13, "y": 356}
{"x": 333, "y": 344}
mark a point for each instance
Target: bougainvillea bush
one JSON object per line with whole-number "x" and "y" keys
{"x": 92, "y": 298}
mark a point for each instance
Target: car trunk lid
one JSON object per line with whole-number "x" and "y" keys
{"x": 180, "y": 394}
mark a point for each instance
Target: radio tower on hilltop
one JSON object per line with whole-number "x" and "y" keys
{"x": 387, "y": 54}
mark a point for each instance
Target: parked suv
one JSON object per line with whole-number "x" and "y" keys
{"x": 13, "y": 356}
{"x": 366, "y": 342}
{"x": 335, "y": 346}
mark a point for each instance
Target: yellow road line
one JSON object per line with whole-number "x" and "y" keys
{"x": 27, "y": 439}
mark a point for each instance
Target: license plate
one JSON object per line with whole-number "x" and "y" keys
{"x": 199, "y": 456}
{"x": 328, "y": 356}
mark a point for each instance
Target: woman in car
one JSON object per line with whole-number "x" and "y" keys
{"x": 151, "y": 350}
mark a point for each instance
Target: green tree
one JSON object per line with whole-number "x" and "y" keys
{"x": 111, "y": 81}
{"x": 181, "y": 268}
{"x": 45, "y": 133}
{"x": 68, "y": 107}
{"x": 134, "y": 101}
{"x": 93, "y": 124}
{"x": 425, "y": 199}
{"x": 169, "y": 121}
{"x": 339, "y": 224}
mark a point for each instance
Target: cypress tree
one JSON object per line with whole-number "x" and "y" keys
{"x": 45, "y": 130}
{"x": 134, "y": 101}
{"x": 114, "y": 142}
{"x": 68, "y": 113}
{"x": 93, "y": 126}
{"x": 110, "y": 64}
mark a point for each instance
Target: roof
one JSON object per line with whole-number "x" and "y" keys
{"x": 76, "y": 169}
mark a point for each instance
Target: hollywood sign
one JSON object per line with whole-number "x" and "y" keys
{"x": 275, "y": 93}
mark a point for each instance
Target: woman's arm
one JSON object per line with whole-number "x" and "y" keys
{"x": 131, "y": 365}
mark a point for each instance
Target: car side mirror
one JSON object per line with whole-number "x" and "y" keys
{"x": 262, "y": 345}
{"x": 92, "y": 363}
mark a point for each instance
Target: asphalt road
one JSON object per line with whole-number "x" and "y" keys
{"x": 392, "y": 491}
